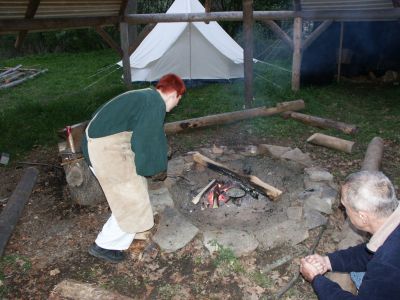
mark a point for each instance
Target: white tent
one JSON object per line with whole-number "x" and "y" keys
{"x": 191, "y": 50}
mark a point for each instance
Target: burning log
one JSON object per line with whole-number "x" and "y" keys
{"x": 196, "y": 199}
{"x": 331, "y": 142}
{"x": 373, "y": 156}
{"x": 321, "y": 122}
{"x": 248, "y": 181}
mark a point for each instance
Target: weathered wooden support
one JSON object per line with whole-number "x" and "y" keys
{"x": 13, "y": 210}
{"x": 125, "y": 54}
{"x": 268, "y": 190}
{"x": 248, "y": 51}
{"x": 331, "y": 142}
{"x": 316, "y": 33}
{"x": 279, "y": 32}
{"x": 230, "y": 117}
{"x": 108, "y": 39}
{"x": 296, "y": 62}
{"x": 321, "y": 122}
{"x": 373, "y": 157}
{"x": 29, "y": 14}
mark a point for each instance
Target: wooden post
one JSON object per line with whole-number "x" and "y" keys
{"x": 13, "y": 210}
{"x": 131, "y": 8}
{"x": 296, "y": 63}
{"x": 125, "y": 54}
{"x": 248, "y": 51}
{"x": 373, "y": 157}
{"x": 339, "y": 57}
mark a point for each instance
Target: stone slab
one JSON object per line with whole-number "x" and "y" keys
{"x": 318, "y": 174}
{"x": 279, "y": 234}
{"x": 298, "y": 156}
{"x": 160, "y": 199}
{"x": 174, "y": 231}
{"x": 274, "y": 151}
{"x": 240, "y": 242}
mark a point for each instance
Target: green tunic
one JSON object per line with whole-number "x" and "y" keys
{"x": 141, "y": 112}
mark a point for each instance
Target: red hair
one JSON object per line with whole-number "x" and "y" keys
{"x": 171, "y": 82}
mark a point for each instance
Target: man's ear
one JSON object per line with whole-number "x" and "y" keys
{"x": 363, "y": 216}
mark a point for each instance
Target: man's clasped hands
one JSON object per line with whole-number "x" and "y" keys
{"x": 313, "y": 265}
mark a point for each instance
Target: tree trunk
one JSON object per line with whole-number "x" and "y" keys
{"x": 321, "y": 122}
{"x": 331, "y": 142}
{"x": 373, "y": 156}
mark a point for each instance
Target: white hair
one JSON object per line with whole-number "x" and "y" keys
{"x": 370, "y": 191}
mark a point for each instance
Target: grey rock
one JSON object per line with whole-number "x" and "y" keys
{"x": 160, "y": 199}
{"x": 308, "y": 184}
{"x": 272, "y": 236}
{"x": 176, "y": 166}
{"x": 274, "y": 151}
{"x": 298, "y": 156}
{"x": 314, "y": 218}
{"x": 318, "y": 174}
{"x": 239, "y": 241}
{"x": 174, "y": 231}
{"x": 295, "y": 213}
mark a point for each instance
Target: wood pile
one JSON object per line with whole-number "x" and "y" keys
{"x": 10, "y": 77}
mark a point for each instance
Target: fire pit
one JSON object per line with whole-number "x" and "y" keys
{"x": 228, "y": 204}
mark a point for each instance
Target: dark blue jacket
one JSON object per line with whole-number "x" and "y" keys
{"x": 382, "y": 271}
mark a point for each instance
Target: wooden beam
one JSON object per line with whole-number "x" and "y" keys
{"x": 316, "y": 33}
{"x": 123, "y": 27}
{"x": 248, "y": 51}
{"x": 296, "y": 62}
{"x": 279, "y": 32}
{"x": 13, "y": 210}
{"x": 108, "y": 39}
{"x": 141, "y": 36}
{"x": 29, "y": 14}
{"x": 55, "y": 23}
{"x": 122, "y": 8}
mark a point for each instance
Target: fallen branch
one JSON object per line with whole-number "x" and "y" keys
{"x": 373, "y": 156}
{"x": 247, "y": 180}
{"x": 283, "y": 290}
{"x": 321, "y": 122}
{"x": 331, "y": 142}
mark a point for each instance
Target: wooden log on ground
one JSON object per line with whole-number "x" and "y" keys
{"x": 373, "y": 156}
{"x": 331, "y": 142}
{"x": 13, "y": 210}
{"x": 230, "y": 117}
{"x": 251, "y": 180}
{"x": 74, "y": 290}
{"x": 321, "y": 122}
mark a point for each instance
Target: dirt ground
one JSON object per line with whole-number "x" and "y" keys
{"x": 50, "y": 241}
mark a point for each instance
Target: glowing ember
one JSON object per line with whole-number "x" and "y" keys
{"x": 217, "y": 195}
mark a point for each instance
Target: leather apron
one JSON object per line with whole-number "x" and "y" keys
{"x": 126, "y": 192}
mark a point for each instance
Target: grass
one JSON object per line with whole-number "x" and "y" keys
{"x": 76, "y": 84}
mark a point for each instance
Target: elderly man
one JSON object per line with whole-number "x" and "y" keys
{"x": 372, "y": 206}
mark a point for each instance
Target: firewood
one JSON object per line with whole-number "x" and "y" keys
{"x": 321, "y": 122}
{"x": 196, "y": 199}
{"x": 373, "y": 156}
{"x": 331, "y": 142}
{"x": 13, "y": 210}
{"x": 251, "y": 180}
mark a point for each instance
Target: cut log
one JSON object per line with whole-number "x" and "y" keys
{"x": 13, "y": 210}
{"x": 254, "y": 181}
{"x": 196, "y": 199}
{"x": 373, "y": 156}
{"x": 331, "y": 142}
{"x": 83, "y": 186}
{"x": 230, "y": 117}
{"x": 74, "y": 290}
{"x": 321, "y": 122}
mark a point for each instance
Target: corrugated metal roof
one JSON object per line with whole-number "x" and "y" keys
{"x": 16, "y": 9}
{"x": 356, "y": 5}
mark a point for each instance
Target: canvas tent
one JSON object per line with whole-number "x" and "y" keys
{"x": 191, "y": 50}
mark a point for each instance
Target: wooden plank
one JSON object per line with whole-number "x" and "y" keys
{"x": 13, "y": 210}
